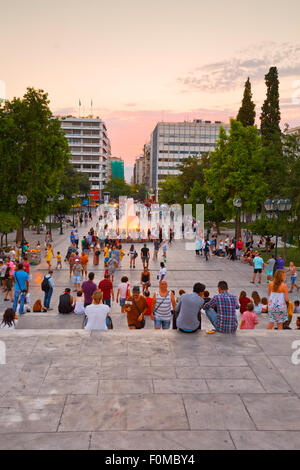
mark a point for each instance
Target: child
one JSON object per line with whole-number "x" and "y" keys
{"x": 206, "y": 297}
{"x": 286, "y": 325}
{"x": 79, "y": 304}
{"x": 249, "y": 318}
{"x": 264, "y": 305}
{"x": 149, "y": 302}
{"x": 58, "y": 257}
{"x": 8, "y": 321}
{"x": 244, "y": 301}
{"x": 298, "y": 323}
{"x": 296, "y": 306}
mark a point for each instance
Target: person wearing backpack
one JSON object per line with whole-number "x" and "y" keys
{"x": 47, "y": 287}
{"x": 21, "y": 288}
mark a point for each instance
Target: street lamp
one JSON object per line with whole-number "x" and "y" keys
{"x": 237, "y": 204}
{"x": 208, "y": 201}
{"x": 50, "y": 199}
{"x": 61, "y": 198}
{"x": 22, "y": 201}
{"x": 73, "y": 197}
{"x": 275, "y": 207}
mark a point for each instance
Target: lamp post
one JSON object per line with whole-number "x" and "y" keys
{"x": 61, "y": 198}
{"x": 237, "y": 204}
{"x": 276, "y": 207}
{"x": 73, "y": 198}
{"x": 209, "y": 202}
{"x": 22, "y": 201}
{"x": 50, "y": 199}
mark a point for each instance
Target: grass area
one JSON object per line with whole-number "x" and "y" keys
{"x": 292, "y": 255}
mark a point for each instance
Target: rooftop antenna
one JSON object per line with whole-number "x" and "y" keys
{"x": 92, "y": 108}
{"x": 79, "y": 104}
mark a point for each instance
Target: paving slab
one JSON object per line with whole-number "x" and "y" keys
{"x": 46, "y": 441}
{"x": 266, "y": 440}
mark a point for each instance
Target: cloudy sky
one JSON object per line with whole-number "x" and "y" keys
{"x": 142, "y": 62}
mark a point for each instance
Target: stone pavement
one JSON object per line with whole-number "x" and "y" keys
{"x": 66, "y": 388}
{"x": 149, "y": 389}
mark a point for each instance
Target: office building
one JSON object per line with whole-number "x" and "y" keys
{"x": 172, "y": 142}
{"x": 139, "y": 170}
{"x": 90, "y": 149}
{"x": 117, "y": 167}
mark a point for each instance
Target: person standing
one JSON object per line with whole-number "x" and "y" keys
{"x": 49, "y": 255}
{"x": 162, "y": 275}
{"x": 21, "y": 288}
{"x": 132, "y": 256}
{"x": 111, "y": 267}
{"x": 156, "y": 248}
{"x": 123, "y": 292}
{"x": 162, "y": 305}
{"x": 8, "y": 280}
{"x": 221, "y": 310}
{"x": 270, "y": 268}
{"x": 136, "y": 308}
{"x": 206, "y": 249}
{"x": 77, "y": 273}
{"x": 48, "y": 279}
{"x": 188, "y": 310}
{"x": 84, "y": 259}
{"x": 107, "y": 288}
{"x": 278, "y": 300}
{"x": 145, "y": 279}
{"x": 258, "y": 264}
{"x": 88, "y": 288}
{"x": 292, "y": 271}
{"x": 145, "y": 255}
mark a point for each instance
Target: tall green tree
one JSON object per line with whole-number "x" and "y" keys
{"x": 171, "y": 190}
{"x": 236, "y": 170}
{"x": 33, "y": 154}
{"x": 118, "y": 187}
{"x": 246, "y": 114}
{"x": 271, "y": 136}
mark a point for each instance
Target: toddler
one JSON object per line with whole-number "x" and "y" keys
{"x": 249, "y": 318}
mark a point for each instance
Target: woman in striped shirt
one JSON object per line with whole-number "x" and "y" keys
{"x": 162, "y": 305}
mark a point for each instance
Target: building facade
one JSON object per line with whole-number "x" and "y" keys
{"x": 117, "y": 167}
{"x": 90, "y": 149}
{"x": 172, "y": 142}
{"x": 139, "y": 170}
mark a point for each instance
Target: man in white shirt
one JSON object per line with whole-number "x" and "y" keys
{"x": 97, "y": 313}
{"x": 162, "y": 273}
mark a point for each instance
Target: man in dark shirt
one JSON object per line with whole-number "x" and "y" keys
{"x": 88, "y": 288}
{"x": 107, "y": 288}
{"x": 145, "y": 255}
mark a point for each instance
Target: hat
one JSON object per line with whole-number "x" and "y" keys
{"x": 67, "y": 289}
{"x": 136, "y": 289}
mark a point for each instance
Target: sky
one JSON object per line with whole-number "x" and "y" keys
{"x": 141, "y": 62}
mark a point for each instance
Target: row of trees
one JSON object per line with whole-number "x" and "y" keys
{"x": 34, "y": 161}
{"x": 118, "y": 187}
{"x": 249, "y": 163}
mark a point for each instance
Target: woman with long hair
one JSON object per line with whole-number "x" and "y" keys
{"x": 278, "y": 300}
{"x": 256, "y": 302}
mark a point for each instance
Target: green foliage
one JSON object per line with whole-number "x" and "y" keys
{"x": 171, "y": 190}
{"x": 263, "y": 226}
{"x": 118, "y": 187}
{"x": 33, "y": 154}
{"x": 236, "y": 170}
{"x": 139, "y": 192}
{"x": 246, "y": 114}
{"x": 8, "y": 222}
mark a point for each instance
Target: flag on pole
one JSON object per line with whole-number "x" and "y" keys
{"x": 91, "y": 103}
{"x": 79, "y": 102}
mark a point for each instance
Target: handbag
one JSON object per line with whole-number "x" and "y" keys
{"x": 143, "y": 320}
{"x": 23, "y": 292}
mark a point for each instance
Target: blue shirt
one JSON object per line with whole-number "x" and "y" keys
{"x": 258, "y": 262}
{"x": 21, "y": 277}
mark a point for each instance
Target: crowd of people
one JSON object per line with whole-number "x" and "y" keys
{"x": 93, "y": 300}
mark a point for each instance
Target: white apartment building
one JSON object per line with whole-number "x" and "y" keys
{"x": 171, "y": 142}
{"x": 90, "y": 149}
{"x": 139, "y": 170}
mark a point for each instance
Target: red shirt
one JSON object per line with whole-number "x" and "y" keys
{"x": 244, "y": 301}
{"x": 149, "y": 303}
{"x": 105, "y": 285}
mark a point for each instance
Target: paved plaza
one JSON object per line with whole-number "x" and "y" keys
{"x": 66, "y": 388}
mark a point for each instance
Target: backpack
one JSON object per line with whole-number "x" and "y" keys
{"x": 45, "y": 284}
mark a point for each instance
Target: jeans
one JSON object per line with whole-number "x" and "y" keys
{"x": 22, "y": 301}
{"x": 165, "y": 324}
{"x": 107, "y": 302}
{"x": 212, "y": 315}
{"x": 47, "y": 297}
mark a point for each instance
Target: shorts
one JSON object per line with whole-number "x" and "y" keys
{"x": 107, "y": 302}
{"x": 293, "y": 280}
{"x": 122, "y": 302}
{"x": 144, "y": 259}
{"x": 257, "y": 270}
{"x": 269, "y": 272}
{"x": 165, "y": 324}
{"x": 76, "y": 279}
{"x": 106, "y": 260}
